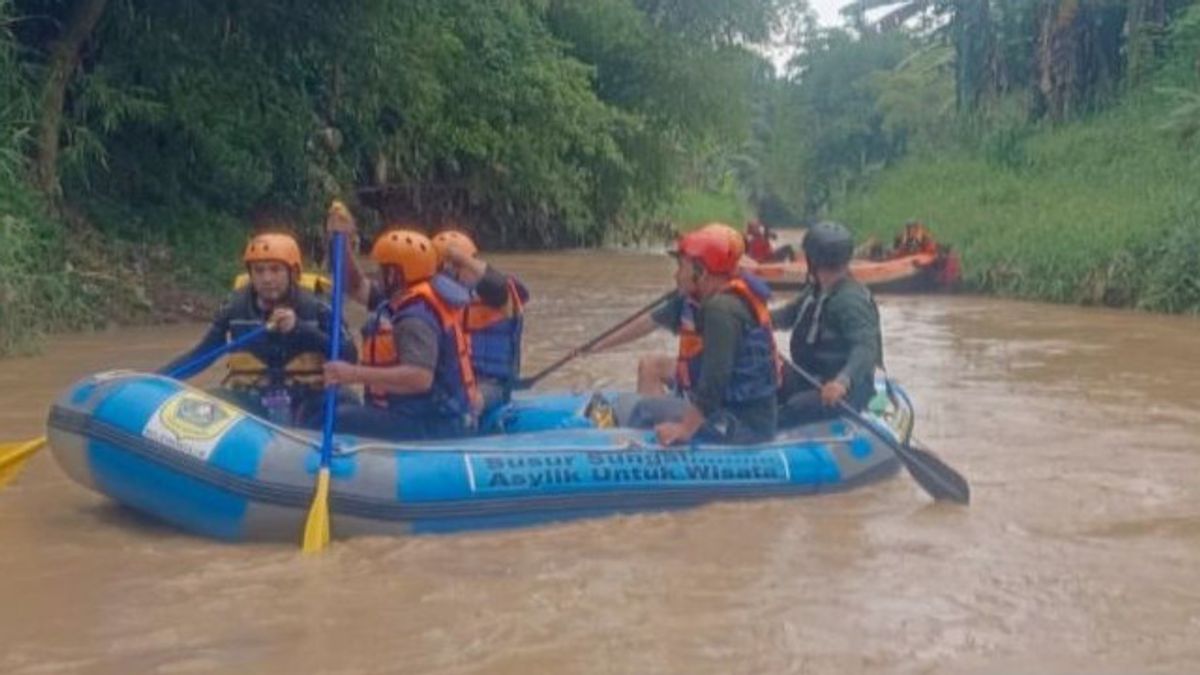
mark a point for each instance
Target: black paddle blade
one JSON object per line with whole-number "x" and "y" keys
{"x": 935, "y": 476}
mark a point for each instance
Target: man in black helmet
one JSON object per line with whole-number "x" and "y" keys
{"x": 835, "y": 332}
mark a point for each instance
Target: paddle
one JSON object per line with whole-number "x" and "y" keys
{"x": 930, "y": 472}
{"x": 527, "y": 382}
{"x": 316, "y": 527}
{"x": 14, "y": 455}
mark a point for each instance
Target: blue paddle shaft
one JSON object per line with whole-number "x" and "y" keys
{"x": 335, "y": 346}
{"x": 206, "y": 359}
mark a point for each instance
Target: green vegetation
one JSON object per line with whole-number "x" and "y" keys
{"x": 1080, "y": 184}
{"x": 1104, "y": 211}
{"x": 32, "y": 273}
{"x": 698, "y": 206}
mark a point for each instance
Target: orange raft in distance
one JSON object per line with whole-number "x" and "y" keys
{"x": 922, "y": 272}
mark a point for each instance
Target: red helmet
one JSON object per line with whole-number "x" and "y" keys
{"x": 735, "y": 238}
{"x": 712, "y": 247}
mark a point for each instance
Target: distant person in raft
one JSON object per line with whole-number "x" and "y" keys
{"x": 916, "y": 238}
{"x": 494, "y": 319}
{"x": 726, "y": 372}
{"x": 835, "y": 333}
{"x": 278, "y": 376}
{"x": 416, "y": 361}
{"x": 759, "y": 247}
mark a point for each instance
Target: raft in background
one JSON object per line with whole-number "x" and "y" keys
{"x": 177, "y": 454}
{"x": 916, "y": 273}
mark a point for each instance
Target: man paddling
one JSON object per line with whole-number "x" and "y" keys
{"x": 835, "y": 332}
{"x": 416, "y": 362}
{"x": 726, "y": 371}
{"x": 279, "y": 375}
{"x": 657, "y": 373}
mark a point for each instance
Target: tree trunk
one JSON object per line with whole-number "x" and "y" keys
{"x": 64, "y": 59}
{"x": 1145, "y": 28}
{"x": 973, "y": 45}
{"x": 1056, "y": 58}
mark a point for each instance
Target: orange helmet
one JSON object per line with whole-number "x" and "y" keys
{"x": 443, "y": 240}
{"x": 275, "y": 248}
{"x": 409, "y": 250}
{"x": 712, "y": 247}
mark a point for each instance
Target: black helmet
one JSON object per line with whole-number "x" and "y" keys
{"x": 828, "y": 245}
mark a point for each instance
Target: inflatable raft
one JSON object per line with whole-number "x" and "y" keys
{"x": 173, "y": 452}
{"x": 921, "y": 272}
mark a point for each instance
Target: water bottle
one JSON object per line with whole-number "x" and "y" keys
{"x": 279, "y": 406}
{"x": 878, "y": 404}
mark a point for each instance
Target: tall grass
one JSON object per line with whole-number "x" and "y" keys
{"x": 1103, "y": 211}
{"x": 696, "y": 207}
{"x": 39, "y": 289}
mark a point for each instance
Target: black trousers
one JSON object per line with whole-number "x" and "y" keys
{"x": 800, "y": 402}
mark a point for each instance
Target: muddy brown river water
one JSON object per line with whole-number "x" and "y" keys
{"x": 1080, "y": 554}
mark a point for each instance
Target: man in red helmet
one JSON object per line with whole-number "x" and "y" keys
{"x": 726, "y": 369}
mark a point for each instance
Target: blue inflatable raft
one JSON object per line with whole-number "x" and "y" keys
{"x": 196, "y": 462}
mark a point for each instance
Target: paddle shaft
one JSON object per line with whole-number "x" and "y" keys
{"x": 335, "y": 346}
{"x": 13, "y": 457}
{"x": 528, "y": 382}
{"x": 213, "y": 354}
{"x": 931, "y": 473}
{"x": 315, "y": 537}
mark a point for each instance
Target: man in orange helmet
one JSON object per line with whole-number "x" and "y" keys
{"x": 280, "y": 375}
{"x": 495, "y": 318}
{"x": 416, "y": 361}
{"x": 726, "y": 369}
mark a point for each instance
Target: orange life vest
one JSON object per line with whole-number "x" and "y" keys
{"x": 454, "y": 389}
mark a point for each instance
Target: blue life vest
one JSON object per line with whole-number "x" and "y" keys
{"x": 496, "y": 335}
{"x": 756, "y": 372}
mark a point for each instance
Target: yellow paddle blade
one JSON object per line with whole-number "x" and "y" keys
{"x": 14, "y": 455}
{"x": 316, "y": 529}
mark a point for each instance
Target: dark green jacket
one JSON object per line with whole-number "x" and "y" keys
{"x": 836, "y": 335}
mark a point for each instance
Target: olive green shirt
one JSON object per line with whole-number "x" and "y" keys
{"x": 721, "y": 320}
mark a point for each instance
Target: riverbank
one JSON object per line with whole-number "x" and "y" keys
{"x": 1105, "y": 211}
{"x": 64, "y": 275}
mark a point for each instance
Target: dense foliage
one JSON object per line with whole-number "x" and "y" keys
{"x": 540, "y": 121}
{"x": 177, "y": 126}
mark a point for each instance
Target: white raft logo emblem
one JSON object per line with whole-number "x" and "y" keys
{"x": 191, "y": 423}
